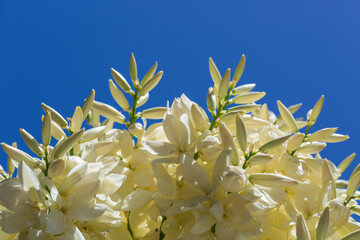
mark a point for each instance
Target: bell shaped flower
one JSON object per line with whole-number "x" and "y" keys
{"x": 23, "y": 199}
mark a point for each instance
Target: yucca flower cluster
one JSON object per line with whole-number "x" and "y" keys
{"x": 245, "y": 173}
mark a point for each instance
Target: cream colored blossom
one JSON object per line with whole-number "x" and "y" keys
{"x": 243, "y": 173}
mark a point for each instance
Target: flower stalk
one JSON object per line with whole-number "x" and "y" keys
{"x": 182, "y": 177}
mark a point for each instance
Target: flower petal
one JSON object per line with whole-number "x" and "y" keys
{"x": 136, "y": 199}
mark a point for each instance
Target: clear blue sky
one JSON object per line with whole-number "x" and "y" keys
{"x": 296, "y": 50}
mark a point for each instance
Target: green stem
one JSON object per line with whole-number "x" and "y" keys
{"x": 128, "y": 225}
{"x": 162, "y": 235}
{"x": 133, "y": 109}
{"x": 247, "y": 157}
{"x": 213, "y": 228}
{"x": 348, "y": 200}
{"x": 47, "y": 164}
{"x": 293, "y": 152}
{"x": 72, "y": 152}
{"x": 196, "y": 155}
{"x": 307, "y": 129}
{"x": 221, "y": 108}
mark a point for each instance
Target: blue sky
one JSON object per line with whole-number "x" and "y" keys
{"x": 57, "y": 52}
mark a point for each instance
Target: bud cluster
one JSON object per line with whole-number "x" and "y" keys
{"x": 245, "y": 173}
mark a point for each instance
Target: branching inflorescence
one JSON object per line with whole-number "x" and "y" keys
{"x": 244, "y": 174}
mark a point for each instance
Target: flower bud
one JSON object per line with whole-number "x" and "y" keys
{"x": 149, "y": 74}
{"x": 10, "y": 164}
{"x": 272, "y": 180}
{"x": 76, "y": 120}
{"x": 56, "y": 168}
{"x": 133, "y": 69}
{"x": 46, "y": 129}
{"x": 356, "y": 170}
{"x": 239, "y": 69}
{"x": 292, "y": 109}
{"x": 244, "y": 108}
{"x": 214, "y": 72}
{"x": 346, "y": 162}
{"x": 92, "y": 133}
{"x": 63, "y": 147}
{"x": 243, "y": 88}
{"x": 224, "y": 84}
{"x": 321, "y": 134}
{"x": 316, "y": 110}
{"x": 142, "y": 100}
{"x": 56, "y": 131}
{"x": 55, "y": 116}
{"x": 199, "y": 117}
{"x": 353, "y": 185}
{"x": 18, "y": 155}
{"x": 211, "y": 100}
{"x": 311, "y": 148}
{"x": 287, "y": 117}
{"x": 241, "y": 133}
{"x": 229, "y": 118}
{"x": 87, "y": 105}
{"x": 108, "y": 112}
{"x": 273, "y": 143}
{"x": 151, "y": 84}
{"x": 302, "y": 231}
{"x": 154, "y": 113}
{"x": 335, "y": 137}
{"x": 120, "y": 80}
{"x": 259, "y": 159}
{"x": 295, "y": 141}
{"x": 323, "y": 225}
{"x": 118, "y": 96}
{"x": 31, "y": 142}
{"x": 248, "y": 97}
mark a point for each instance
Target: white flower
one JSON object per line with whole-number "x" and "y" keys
{"x": 247, "y": 174}
{"x": 23, "y": 199}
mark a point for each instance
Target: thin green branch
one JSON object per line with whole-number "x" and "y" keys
{"x": 221, "y": 108}
{"x": 348, "y": 200}
{"x": 128, "y": 225}
{"x": 47, "y": 164}
{"x": 133, "y": 116}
